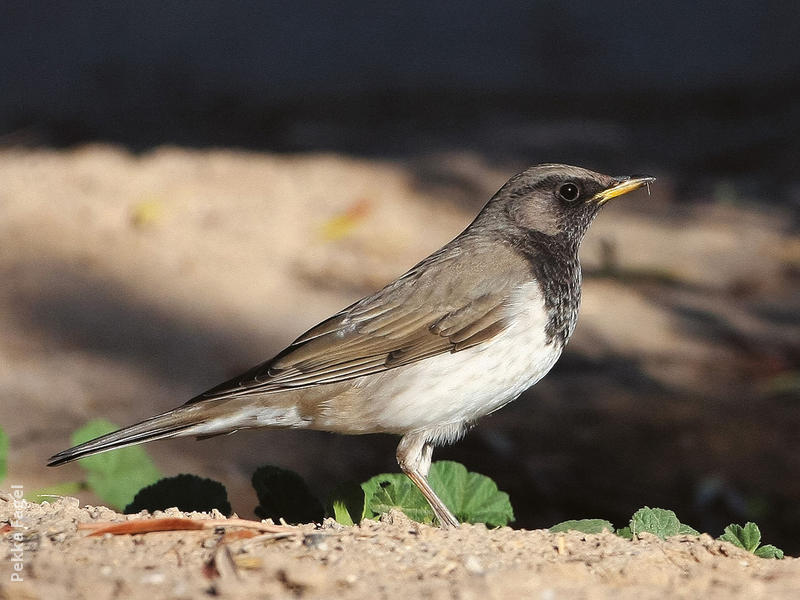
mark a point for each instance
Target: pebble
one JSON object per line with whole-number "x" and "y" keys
{"x": 153, "y": 578}
{"x": 473, "y": 565}
{"x": 316, "y": 540}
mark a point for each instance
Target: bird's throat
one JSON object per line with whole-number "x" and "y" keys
{"x": 554, "y": 265}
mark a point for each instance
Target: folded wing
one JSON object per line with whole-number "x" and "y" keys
{"x": 411, "y": 319}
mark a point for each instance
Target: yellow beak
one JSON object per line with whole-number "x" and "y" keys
{"x": 623, "y": 185}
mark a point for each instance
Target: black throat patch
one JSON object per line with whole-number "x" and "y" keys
{"x": 553, "y": 261}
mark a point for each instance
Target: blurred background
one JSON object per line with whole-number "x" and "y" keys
{"x": 186, "y": 187}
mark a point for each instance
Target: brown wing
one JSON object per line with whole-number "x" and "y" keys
{"x": 437, "y": 307}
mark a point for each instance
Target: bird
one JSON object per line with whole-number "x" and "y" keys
{"x": 458, "y": 336}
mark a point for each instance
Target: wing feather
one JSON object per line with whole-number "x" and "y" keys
{"x": 414, "y": 318}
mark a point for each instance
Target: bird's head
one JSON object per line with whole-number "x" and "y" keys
{"x": 557, "y": 200}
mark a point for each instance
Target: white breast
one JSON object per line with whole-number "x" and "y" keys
{"x": 453, "y": 389}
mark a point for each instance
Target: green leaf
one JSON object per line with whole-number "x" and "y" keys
{"x": 687, "y": 530}
{"x": 769, "y": 551}
{"x": 370, "y": 487}
{"x": 3, "y": 454}
{"x": 188, "y": 493}
{"x": 583, "y": 525}
{"x": 395, "y": 490}
{"x": 68, "y": 488}
{"x": 472, "y": 497}
{"x": 347, "y": 503}
{"x": 117, "y": 475}
{"x": 340, "y": 512}
{"x": 282, "y": 494}
{"x": 658, "y": 521}
{"x": 747, "y": 537}
{"x": 625, "y": 533}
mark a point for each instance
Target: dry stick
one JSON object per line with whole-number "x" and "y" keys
{"x": 179, "y": 524}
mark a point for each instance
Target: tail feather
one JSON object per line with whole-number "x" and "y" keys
{"x": 182, "y": 421}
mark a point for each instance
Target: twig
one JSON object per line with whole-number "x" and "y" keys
{"x": 180, "y": 524}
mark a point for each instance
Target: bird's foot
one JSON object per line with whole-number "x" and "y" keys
{"x": 446, "y": 518}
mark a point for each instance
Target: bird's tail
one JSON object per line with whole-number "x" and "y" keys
{"x": 186, "y": 420}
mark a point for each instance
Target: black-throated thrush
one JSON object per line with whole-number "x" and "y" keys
{"x": 458, "y": 336}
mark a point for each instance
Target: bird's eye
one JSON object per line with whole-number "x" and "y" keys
{"x": 569, "y": 191}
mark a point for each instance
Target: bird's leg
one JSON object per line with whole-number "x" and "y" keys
{"x": 427, "y": 457}
{"x": 414, "y": 455}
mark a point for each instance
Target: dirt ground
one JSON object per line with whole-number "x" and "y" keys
{"x": 132, "y": 282}
{"x": 395, "y": 558}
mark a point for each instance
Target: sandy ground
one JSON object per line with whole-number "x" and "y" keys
{"x": 395, "y": 558}
{"x": 133, "y": 282}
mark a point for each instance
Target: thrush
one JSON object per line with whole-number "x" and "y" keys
{"x": 458, "y": 336}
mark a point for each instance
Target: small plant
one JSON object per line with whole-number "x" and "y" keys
{"x": 282, "y": 494}
{"x": 664, "y": 523}
{"x": 749, "y": 538}
{"x": 347, "y": 503}
{"x": 660, "y": 522}
{"x": 473, "y": 498}
{"x": 583, "y": 525}
{"x": 188, "y": 493}
{"x": 395, "y": 491}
